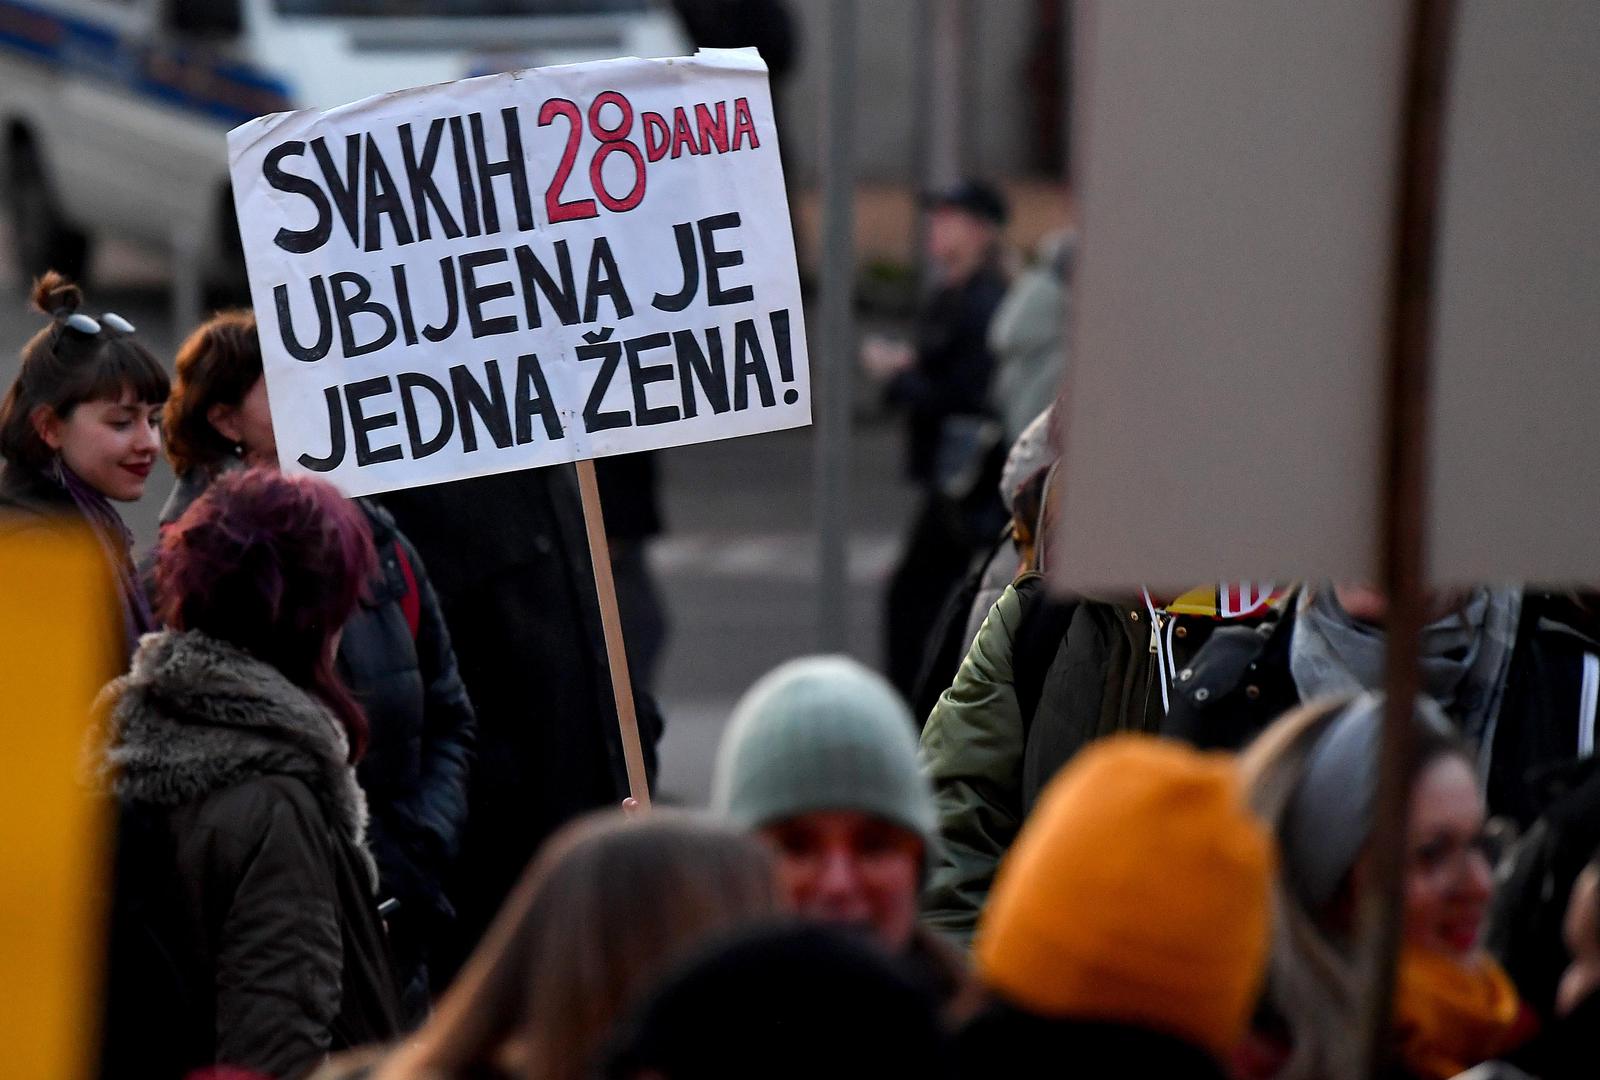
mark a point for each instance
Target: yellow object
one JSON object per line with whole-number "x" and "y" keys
{"x": 1230, "y": 600}
{"x": 1137, "y": 893}
{"x": 1450, "y": 1015}
{"x": 56, "y": 650}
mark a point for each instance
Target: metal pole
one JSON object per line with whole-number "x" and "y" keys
{"x": 1405, "y": 487}
{"x": 1069, "y": 72}
{"x": 948, "y": 69}
{"x": 188, "y": 289}
{"x": 969, "y": 66}
{"x": 838, "y": 331}
{"x": 925, "y": 70}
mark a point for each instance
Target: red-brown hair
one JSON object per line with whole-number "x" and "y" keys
{"x": 217, "y": 365}
{"x": 275, "y": 565}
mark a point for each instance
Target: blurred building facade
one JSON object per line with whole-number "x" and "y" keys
{"x": 993, "y": 69}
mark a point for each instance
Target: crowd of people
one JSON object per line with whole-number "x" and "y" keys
{"x": 369, "y": 788}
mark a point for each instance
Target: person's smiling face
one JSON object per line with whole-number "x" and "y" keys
{"x": 1448, "y": 879}
{"x": 111, "y": 444}
{"x": 846, "y": 867}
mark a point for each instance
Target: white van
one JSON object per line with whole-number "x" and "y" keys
{"x": 113, "y": 112}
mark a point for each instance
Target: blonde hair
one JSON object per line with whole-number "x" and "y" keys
{"x": 598, "y": 916}
{"x": 1313, "y": 978}
{"x": 1312, "y": 982}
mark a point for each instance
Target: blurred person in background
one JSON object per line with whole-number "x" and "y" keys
{"x": 1527, "y": 920}
{"x": 394, "y": 654}
{"x": 1512, "y": 668}
{"x": 819, "y": 760}
{"x": 738, "y": 24}
{"x": 80, "y": 429}
{"x": 601, "y": 915}
{"x": 953, "y": 446}
{"x": 1029, "y": 336}
{"x": 1539, "y": 924}
{"x": 783, "y": 1003}
{"x": 1313, "y": 777}
{"x": 630, "y": 483}
{"x": 1580, "y": 985}
{"x": 245, "y": 930}
{"x": 509, "y": 557}
{"x": 1571, "y": 1047}
{"x": 1023, "y": 480}
{"x": 1128, "y": 933}
{"x": 767, "y": 26}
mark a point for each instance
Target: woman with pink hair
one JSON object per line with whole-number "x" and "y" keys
{"x": 244, "y": 930}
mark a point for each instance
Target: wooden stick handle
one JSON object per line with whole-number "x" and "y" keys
{"x": 616, "y": 654}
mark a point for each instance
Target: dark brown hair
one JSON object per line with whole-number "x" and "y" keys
{"x": 217, "y": 365}
{"x": 601, "y": 914}
{"x": 275, "y": 565}
{"x": 62, "y": 371}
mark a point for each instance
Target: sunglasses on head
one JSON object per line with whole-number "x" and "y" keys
{"x": 86, "y": 326}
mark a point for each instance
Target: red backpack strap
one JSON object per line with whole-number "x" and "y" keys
{"x": 411, "y": 602}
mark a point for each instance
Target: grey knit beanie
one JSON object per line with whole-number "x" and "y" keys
{"x": 821, "y": 733}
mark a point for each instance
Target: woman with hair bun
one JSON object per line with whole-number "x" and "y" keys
{"x": 245, "y": 931}
{"x": 80, "y": 429}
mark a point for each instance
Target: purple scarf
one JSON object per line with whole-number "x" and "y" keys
{"x": 117, "y": 543}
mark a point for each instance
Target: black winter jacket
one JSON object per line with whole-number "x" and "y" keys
{"x": 416, "y": 768}
{"x": 953, "y": 368}
{"x": 245, "y": 930}
{"x": 422, "y": 724}
{"x": 509, "y": 558}
{"x": 1240, "y": 682}
{"x": 1088, "y": 668}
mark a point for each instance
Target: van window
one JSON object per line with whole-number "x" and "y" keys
{"x": 346, "y": 8}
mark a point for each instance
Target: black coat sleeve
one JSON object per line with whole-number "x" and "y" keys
{"x": 449, "y": 726}
{"x": 954, "y": 364}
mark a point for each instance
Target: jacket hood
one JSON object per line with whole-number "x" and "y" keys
{"x": 189, "y": 487}
{"x": 196, "y": 715}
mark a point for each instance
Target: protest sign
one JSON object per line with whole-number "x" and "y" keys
{"x": 1335, "y": 319}
{"x": 523, "y": 269}
{"x": 1237, "y": 180}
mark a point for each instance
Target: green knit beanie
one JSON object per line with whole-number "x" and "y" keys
{"x": 821, "y": 733}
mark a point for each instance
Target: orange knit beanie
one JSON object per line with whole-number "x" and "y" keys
{"x": 1137, "y": 893}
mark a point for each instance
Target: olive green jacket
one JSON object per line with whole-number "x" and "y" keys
{"x": 972, "y": 748}
{"x": 998, "y": 735}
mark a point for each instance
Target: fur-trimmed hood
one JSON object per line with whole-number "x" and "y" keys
{"x": 196, "y": 715}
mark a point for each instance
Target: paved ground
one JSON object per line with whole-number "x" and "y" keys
{"x": 738, "y": 568}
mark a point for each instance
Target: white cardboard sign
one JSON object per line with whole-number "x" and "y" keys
{"x": 523, "y": 269}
